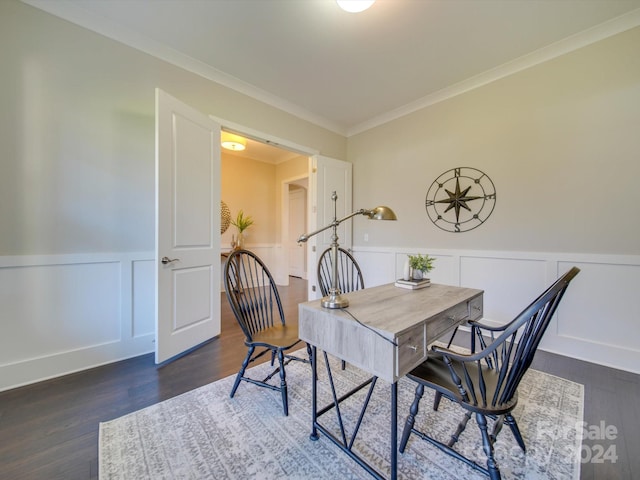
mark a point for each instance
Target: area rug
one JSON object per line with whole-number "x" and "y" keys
{"x": 204, "y": 434}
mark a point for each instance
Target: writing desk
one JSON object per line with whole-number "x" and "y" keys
{"x": 398, "y": 324}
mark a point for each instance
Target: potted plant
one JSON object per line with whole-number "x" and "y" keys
{"x": 420, "y": 265}
{"x": 241, "y": 222}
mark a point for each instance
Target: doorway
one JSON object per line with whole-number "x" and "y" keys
{"x": 297, "y": 214}
{"x": 258, "y": 180}
{"x": 324, "y": 175}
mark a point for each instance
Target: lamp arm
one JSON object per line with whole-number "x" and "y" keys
{"x": 362, "y": 211}
{"x": 306, "y": 236}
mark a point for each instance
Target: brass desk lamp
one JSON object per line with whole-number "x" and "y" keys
{"x": 334, "y": 299}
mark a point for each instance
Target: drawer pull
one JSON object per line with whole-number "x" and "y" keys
{"x": 413, "y": 347}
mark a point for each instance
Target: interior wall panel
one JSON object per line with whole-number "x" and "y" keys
{"x": 603, "y": 305}
{"x": 143, "y": 309}
{"x": 510, "y": 284}
{"x": 57, "y": 308}
{"x": 65, "y": 313}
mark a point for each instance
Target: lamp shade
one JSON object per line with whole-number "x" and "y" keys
{"x": 381, "y": 213}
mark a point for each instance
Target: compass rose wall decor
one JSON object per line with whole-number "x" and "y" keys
{"x": 460, "y": 199}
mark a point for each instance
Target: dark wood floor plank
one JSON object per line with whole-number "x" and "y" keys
{"x": 611, "y": 398}
{"x": 628, "y": 406}
{"x": 50, "y": 430}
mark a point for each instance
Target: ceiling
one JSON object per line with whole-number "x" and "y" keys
{"x": 349, "y": 72}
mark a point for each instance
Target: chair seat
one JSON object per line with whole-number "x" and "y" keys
{"x": 280, "y": 336}
{"x": 435, "y": 373}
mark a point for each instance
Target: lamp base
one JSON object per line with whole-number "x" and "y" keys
{"x": 334, "y": 301}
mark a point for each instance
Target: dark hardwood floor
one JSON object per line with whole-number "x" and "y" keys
{"x": 49, "y": 430}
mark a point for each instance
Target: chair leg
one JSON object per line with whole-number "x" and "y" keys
{"x": 487, "y": 444}
{"x": 241, "y": 372}
{"x": 283, "y": 383}
{"x": 411, "y": 419}
{"x": 461, "y": 426}
{"x": 436, "y": 401}
{"x": 509, "y": 420}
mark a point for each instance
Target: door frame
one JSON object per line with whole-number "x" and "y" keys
{"x": 263, "y": 137}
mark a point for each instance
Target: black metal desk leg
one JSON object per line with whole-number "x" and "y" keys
{"x": 394, "y": 430}
{"x": 314, "y": 394}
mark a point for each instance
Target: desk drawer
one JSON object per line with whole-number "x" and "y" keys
{"x": 475, "y": 308}
{"x": 447, "y": 321}
{"x": 412, "y": 349}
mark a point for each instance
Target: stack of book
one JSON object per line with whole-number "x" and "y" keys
{"x": 413, "y": 284}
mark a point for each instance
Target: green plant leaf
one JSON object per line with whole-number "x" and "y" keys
{"x": 420, "y": 262}
{"x": 241, "y": 222}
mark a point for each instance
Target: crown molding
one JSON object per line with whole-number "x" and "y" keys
{"x": 582, "y": 39}
{"x": 74, "y": 13}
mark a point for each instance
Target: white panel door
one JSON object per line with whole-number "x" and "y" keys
{"x": 187, "y": 227}
{"x": 328, "y": 175}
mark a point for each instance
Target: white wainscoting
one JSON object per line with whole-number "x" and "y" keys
{"x": 64, "y": 313}
{"x": 597, "y": 321}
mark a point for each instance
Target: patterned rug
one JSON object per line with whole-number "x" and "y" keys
{"x": 204, "y": 434}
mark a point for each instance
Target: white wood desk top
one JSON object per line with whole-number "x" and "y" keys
{"x": 410, "y": 318}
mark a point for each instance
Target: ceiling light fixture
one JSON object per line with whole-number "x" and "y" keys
{"x": 355, "y": 6}
{"x": 234, "y": 142}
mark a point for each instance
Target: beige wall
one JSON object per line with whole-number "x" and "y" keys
{"x": 250, "y": 186}
{"x": 255, "y": 187}
{"x": 77, "y": 135}
{"x": 560, "y": 140}
{"x": 77, "y": 132}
